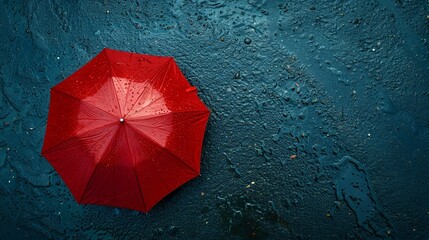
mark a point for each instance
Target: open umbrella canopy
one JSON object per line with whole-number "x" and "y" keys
{"x": 125, "y": 130}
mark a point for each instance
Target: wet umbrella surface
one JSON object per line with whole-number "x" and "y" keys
{"x": 125, "y": 130}
{"x": 318, "y": 125}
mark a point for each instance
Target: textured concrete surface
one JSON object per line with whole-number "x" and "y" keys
{"x": 319, "y": 126}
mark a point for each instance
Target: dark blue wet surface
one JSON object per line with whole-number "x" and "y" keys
{"x": 319, "y": 126}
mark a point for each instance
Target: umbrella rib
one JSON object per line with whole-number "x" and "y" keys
{"x": 134, "y": 170}
{"x": 168, "y": 113}
{"x": 81, "y": 118}
{"x": 83, "y": 101}
{"x": 116, "y": 94}
{"x": 161, "y": 147}
{"x": 128, "y": 91}
{"x": 167, "y": 64}
{"x": 78, "y": 136}
{"x": 198, "y": 117}
{"x": 114, "y": 75}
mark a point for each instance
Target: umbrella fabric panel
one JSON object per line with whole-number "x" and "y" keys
{"x": 70, "y": 117}
{"x": 135, "y": 173}
{"x": 160, "y": 172}
{"x": 133, "y": 76}
{"x": 175, "y": 89}
{"x": 114, "y": 181}
{"x": 76, "y": 158}
{"x": 92, "y": 84}
{"x": 180, "y": 133}
{"x": 158, "y": 91}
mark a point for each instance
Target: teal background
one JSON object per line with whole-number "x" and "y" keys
{"x": 343, "y": 85}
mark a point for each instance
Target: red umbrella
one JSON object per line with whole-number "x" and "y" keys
{"x": 125, "y": 130}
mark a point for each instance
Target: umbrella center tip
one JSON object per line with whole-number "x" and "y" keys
{"x": 121, "y": 120}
